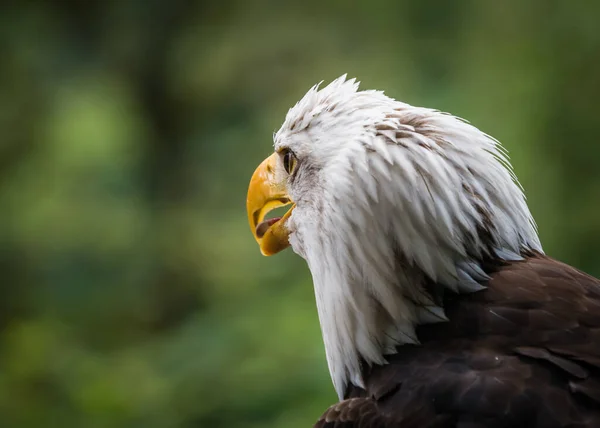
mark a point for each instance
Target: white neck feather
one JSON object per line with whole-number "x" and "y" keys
{"x": 404, "y": 194}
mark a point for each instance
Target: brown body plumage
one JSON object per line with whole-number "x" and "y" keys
{"x": 525, "y": 352}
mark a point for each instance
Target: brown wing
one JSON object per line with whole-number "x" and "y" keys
{"x": 353, "y": 413}
{"x": 363, "y": 412}
{"x": 523, "y": 353}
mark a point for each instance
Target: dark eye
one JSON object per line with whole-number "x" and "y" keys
{"x": 289, "y": 161}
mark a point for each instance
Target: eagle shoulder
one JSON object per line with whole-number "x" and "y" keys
{"x": 524, "y": 352}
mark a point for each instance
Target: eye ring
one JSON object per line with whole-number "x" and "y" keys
{"x": 289, "y": 161}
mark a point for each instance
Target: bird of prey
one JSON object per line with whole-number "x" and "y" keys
{"x": 437, "y": 305}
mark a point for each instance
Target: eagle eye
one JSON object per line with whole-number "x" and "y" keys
{"x": 289, "y": 161}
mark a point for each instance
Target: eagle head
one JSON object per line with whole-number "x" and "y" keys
{"x": 384, "y": 197}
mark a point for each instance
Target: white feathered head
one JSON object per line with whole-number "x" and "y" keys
{"x": 384, "y": 197}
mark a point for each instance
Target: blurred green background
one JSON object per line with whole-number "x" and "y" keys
{"x": 133, "y": 294}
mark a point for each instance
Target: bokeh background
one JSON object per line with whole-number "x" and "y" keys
{"x": 132, "y": 292}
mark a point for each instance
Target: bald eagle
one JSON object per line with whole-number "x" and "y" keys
{"x": 437, "y": 304}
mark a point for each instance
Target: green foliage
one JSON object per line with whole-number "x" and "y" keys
{"x": 133, "y": 294}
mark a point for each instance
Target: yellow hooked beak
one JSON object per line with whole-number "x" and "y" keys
{"x": 268, "y": 191}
